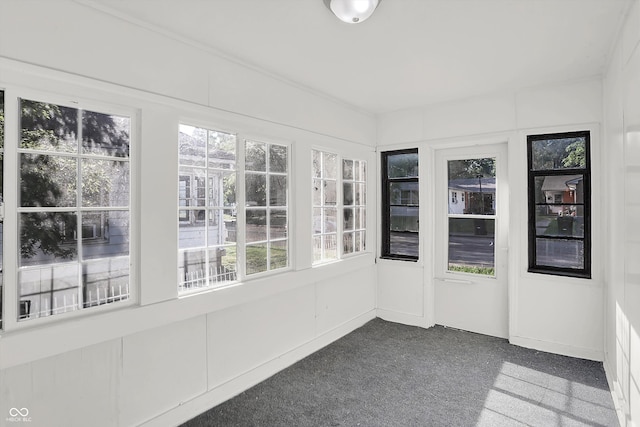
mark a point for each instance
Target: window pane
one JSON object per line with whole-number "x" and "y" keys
{"x": 105, "y": 234}
{"x": 191, "y": 233}
{"x": 48, "y": 127}
{"x": 192, "y": 146}
{"x": 404, "y": 243}
{"x": 278, "y": 224}
{"x": 360, "y": 241}
{"x": 317, "y": 248}
{"x": 330, "y": 197}
{"x": 558, "y": 153}
{"x": 47, "y": 238}
{"x": 360, "y": 190}
{"x": 404, "y": 218}
{"x": 560, "y": 253}
{"x": 349, "y": 219}
{"x": 227, "y": 268}
{"x": 403, "y": 193}
{"x": 347, "y": 194}
{"x": 48, "y": 181}
{"x": 471, "y": 245}
{"x": 360, "y": 170}
{"x": 278, "y": 158}
{"x": 105, "y": 281}
{"x": 402, "y": 165}
{"x": 330, "y": 220}
{"x": 192, "y": 187}
{"x": 221, "y": 227}
{"x": 278, "y": 255}
{"x": 360, "y": 218}
{"x": 317, "y": 220}
{"x": 472, "y": 186}
{"x": 48, "y": 290}
{"x": 329, "y": 166}
{"x": 222, "y": 150}
{"x": 256, "y": 189}
{"x": 257, "y": 259}
{"x": 403, "y": 237}
{"x": 192, "y": 269}
{"x": 229, "y": 189}
{"x": 559, "y": 189}
{"x": 330, "y": 246}
{"x": 277, "y": 190}
{"x": 222, "y": 265}
{"x": 317, "y": 164}
{"x": 317, "y": 192}
{"x": 255, "y": 156}
{"x": 347, "y": 169}
{"x": 568, "y": 221}
{"x": 256, "y": 225}
{"x": 105, "y": 134}
{"x": 105, "y": 183}
{"x": 348, "y": 242}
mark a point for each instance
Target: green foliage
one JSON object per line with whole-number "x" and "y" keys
{"x": 402, "y": 165}
{"x": 576, "y": 155}
{"x": 51, "y": 180}
{"x": 559, "y": 153}
{"x": 486, "y": 271}
{"x": 472, "y": 168}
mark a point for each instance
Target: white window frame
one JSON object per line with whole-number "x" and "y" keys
{"x": 339, "y": 207}
{"x": 362, "y": 206}
{"x": 206, "y": 282}
{"x": 12, "y": 209}
{"x": 243, "y": 138}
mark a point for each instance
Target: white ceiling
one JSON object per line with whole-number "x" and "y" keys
{"x": 409, "y": 53}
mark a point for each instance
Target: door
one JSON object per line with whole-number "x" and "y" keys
{"x": 470, "y": 283}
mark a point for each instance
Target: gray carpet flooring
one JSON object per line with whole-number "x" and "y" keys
{"x": 386, "y": 374}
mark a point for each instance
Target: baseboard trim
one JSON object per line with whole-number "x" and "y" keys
{"x": 405, "y": 319}
{"x": 557, "y": 348}
{"x": 187, "y": 410}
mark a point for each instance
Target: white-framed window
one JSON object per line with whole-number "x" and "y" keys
{"x": 73, "y": 208}
{"x": 354, "y": 188}
{"x": 339, "y": 206}
{"x": 207, "y": 214}
{"x": 325, "y": 206}
{"x": 218, "y": 246}
{"x": 266, "y": 177}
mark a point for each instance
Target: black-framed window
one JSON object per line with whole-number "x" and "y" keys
{"x": 559, "y": 169}
{"x": 400, "y": 205}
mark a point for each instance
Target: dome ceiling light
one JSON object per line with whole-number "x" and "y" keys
{"x": 352, "y": 11}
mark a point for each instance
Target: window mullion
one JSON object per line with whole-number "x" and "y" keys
{"x": 241, "y": 205}
{"x": 78, "y": 209}
{"x": 11, "y": 215}
{"x": 339, "y": 209}
{"x": 267, "y": 203}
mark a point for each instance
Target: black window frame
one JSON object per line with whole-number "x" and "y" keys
{"x": 533, "y": 266}
{"x": 386, "y": 206}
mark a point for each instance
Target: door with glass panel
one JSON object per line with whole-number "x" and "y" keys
{"x": 471, "y": 239}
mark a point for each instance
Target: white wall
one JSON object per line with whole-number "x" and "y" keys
{"x": 621, "y": 153}
{"x": 164, "y": 359}
{"x": 551, "y": 313}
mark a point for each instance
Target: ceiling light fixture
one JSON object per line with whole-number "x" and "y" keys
{"x": 352, "y": 11}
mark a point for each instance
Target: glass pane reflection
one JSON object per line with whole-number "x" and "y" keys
{"x": 471, "y": 245}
